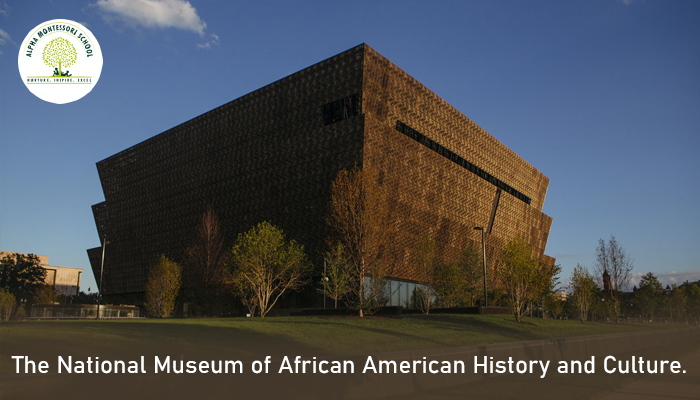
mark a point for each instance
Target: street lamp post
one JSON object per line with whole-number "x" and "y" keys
{"x": 483, "y": 251}
{"x": 102, "y": 266}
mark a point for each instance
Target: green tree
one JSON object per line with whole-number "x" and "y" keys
{"x": 583, "y": 290}
{"x": 450, "y": 285}
{"x": 693, "y": 301}
{"x": 649, "y": 295}
{"x": 359, "y": 220}
{"x": 21, "y": 275}
{"x": 7, "y": 304}
{"x": 554, "y": 305}
{"x": 470, "y": 262}
{"x": 46, "y": 294}
{"x": 426, "y": 260}
{"x": 85, "y": 298}
{"x": 337, "y": 280}
{"x": 598, "y": 308}
{"x": 518, "y": 274}
{"x": 59, "y": 53}
{"x": 268, "y": 265}
{"x": 162, "y": 287}
{"x": 459, "y": 283}
{"x": 677, "y": 303}
{"x": 546, "y": 280}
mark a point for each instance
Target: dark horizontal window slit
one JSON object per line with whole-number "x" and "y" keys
{"x": 342, "y": 109}
{"x": 438, "y": 148}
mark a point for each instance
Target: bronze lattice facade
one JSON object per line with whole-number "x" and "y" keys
{"x": 273, "y": 153}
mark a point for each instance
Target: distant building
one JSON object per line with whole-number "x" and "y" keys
{"x": 65, "y": 280}
{"x": 272, "y": 154}
{"x": 606, "y": 281}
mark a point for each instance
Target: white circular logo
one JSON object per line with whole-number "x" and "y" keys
{"x": 60, "y": 61}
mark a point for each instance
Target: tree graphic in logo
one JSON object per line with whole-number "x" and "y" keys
{"x": 59, "y": 53}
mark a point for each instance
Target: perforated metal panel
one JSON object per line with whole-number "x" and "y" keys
{"x": 271, "y": 155}
{"x": 429, "y": 191}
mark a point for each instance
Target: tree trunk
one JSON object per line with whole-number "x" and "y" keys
{"x": 544, "y": 311}
{"x": 362, "y": 287}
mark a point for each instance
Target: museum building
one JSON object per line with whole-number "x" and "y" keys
{"x": 271, "y": 155}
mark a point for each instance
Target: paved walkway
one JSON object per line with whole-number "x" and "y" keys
{"x": 665, "y": 386}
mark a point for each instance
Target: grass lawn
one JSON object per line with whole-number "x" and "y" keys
{"x": 238, "y": 338}
{"x": 253, "y": 339}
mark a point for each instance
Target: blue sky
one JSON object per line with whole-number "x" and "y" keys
{"x": 602, "y": 96}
